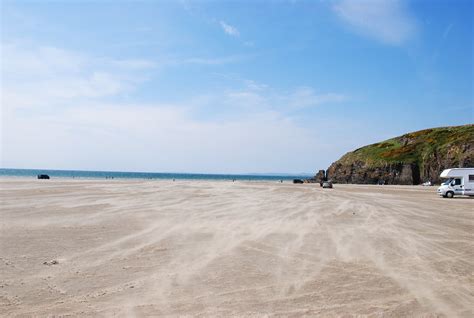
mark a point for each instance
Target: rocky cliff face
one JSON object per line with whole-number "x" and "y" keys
{"x": 409, "y": 159}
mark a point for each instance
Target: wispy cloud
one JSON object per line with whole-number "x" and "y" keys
{"x": 210, "y": 61}
{"x": 46, "y": 75}
{"x": 388, "y": 21}
{"x": 251, "y": 94}
{"x": 67, "y": 109}
{"x": 304, "y": 97}
{"x": 133, "y": 64}
{"x": 253, "y": 85}
{"x": 447, "y": 30}
{"x": 229, "y": 29}
{"x": 260, "y": 96}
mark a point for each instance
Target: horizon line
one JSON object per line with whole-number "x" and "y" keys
{"x": 164, "y": 172}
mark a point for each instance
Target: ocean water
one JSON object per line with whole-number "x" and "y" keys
{"x": 142, "y": 175}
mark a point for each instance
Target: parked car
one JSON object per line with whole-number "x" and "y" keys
{"x": 327, "y": 184}
{"x": 43, "y": 176}
{"x": 298, "y": 181}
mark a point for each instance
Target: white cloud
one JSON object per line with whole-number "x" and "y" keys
{"x": 229, "y": 29}
{"x": 48, "y": 76}
{"x": 209, "y": 61}
{"x": 253, "y": 85}
{"x": 304, "y": 97}
{"x": 256, "y": 95}
{"x": 66, "y": 112}
{"x": 388, "y": 21}
{"x": 133, "y": 64}
{"x": 44, "y": 61}
{"x": 153, "y": 137}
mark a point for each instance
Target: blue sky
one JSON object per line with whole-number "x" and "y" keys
{"x": 228, "y": 86}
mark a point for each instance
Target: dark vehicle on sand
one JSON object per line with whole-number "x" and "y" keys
{"x": 327, "y": 184}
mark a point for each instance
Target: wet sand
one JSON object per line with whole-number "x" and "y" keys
{"x": 216, "y": 248}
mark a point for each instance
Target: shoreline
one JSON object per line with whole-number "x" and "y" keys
{"x": 101, "y": 175}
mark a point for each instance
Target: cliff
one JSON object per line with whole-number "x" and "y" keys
{"x": 409, "y": 159}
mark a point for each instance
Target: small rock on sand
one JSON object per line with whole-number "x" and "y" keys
{"x": 52, "y": 262}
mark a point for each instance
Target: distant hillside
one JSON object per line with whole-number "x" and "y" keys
{"x": 409, "y": 159}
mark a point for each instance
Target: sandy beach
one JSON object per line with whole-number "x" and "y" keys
{"x": 219, "y": 248}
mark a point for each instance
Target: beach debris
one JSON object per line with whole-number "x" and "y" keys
{"x": 51, "y": 262}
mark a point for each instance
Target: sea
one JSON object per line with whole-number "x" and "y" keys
{"x": 80, "y": 174}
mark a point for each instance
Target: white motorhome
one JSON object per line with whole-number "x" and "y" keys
{"x": 460, "y": 182}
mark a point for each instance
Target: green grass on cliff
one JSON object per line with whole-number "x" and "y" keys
{"x": 413, "y": 147}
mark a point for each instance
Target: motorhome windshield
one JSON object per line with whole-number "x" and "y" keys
{"x": 447, "y": 182}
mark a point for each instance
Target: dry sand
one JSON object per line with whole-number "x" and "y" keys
{"x": 202, "y": 248}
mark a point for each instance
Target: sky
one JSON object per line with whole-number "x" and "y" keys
{"x": 226, "y": 86}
